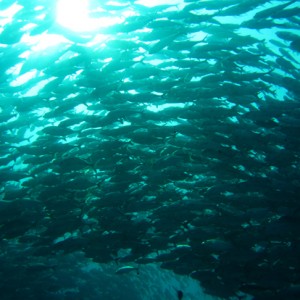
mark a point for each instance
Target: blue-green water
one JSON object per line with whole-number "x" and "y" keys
{"x": 149, "y": 148}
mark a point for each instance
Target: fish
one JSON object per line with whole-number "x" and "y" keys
{"x": 126, "y": 269}
{"x": 272, "y": 11}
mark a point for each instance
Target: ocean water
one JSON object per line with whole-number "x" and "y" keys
{"x": 149, "y": 149}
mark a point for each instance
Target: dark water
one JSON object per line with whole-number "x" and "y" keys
{"x": 155, "y": 139}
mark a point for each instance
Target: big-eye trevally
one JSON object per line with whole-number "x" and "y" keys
{"x": 170, "y": 134}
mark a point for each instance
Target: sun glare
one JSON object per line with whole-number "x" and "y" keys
{"x": 74, "y": 15}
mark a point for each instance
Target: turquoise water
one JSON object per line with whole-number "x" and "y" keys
{"x": 152, "y": 146}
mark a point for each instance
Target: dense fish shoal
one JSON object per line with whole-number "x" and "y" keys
{"x": 169, "y": 137}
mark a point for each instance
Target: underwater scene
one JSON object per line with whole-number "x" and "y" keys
{"x": 150, "y": 149}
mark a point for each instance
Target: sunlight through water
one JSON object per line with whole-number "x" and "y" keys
{"x": 74, "y": 14}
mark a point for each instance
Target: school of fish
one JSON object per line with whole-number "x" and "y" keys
{"x": 174, "y": 140}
